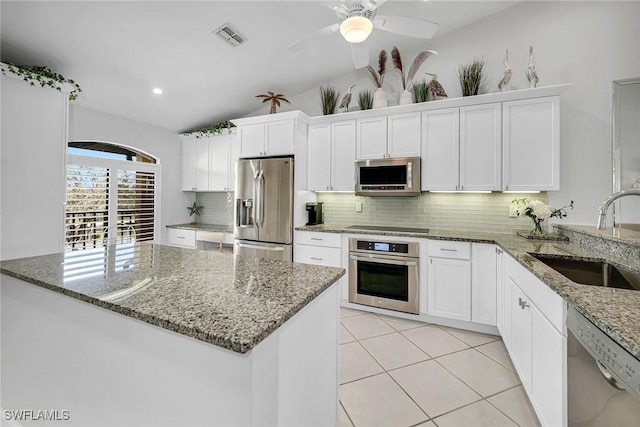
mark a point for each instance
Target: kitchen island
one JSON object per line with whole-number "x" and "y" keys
{"x": 154, "y": 335}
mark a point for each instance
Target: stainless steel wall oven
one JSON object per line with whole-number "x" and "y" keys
{"x": 384, "y": 274}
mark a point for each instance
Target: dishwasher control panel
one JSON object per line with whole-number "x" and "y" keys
{"x": 613, "y": 360}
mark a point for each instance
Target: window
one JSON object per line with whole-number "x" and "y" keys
{"x": 112, "y": 194}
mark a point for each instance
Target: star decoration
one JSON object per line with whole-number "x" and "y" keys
{"x": 194, "y": 209}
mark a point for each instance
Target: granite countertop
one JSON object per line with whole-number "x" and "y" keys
{"x": 199, "y": 226}
{"x": 230, "y": 301}
{"x": 615, "y": 311}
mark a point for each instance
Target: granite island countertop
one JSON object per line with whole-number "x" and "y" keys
{"x": 614, "y": 311}
{"x": 230, "y": 301}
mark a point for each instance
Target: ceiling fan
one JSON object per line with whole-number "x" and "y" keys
{"x": 358, "y": 19}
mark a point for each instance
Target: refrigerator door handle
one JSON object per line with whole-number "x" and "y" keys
{"x": 262, "y": 248}
{"x": 256, "y": 202}
{"x": 260, "y": 207}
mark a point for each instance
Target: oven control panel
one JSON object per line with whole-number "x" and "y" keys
{"x": 368, "y": 245}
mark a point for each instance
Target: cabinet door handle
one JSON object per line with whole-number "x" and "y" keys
{"x": 316, "y": 259}
{"x": 448, "y": 250}
{"x": 181, "y": 237}
{"x": 523, "y": 304}
{"x": 315, "y": 238}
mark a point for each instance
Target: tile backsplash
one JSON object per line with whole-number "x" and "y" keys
{"x": 217, "y": 208}
{"x": 443, "y": 211}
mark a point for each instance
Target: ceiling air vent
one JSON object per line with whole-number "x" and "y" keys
{"x": 228, "y": 34}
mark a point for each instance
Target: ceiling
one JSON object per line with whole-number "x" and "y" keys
{"x": 119, "y": 51}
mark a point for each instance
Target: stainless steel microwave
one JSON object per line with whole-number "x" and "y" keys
{"x": 388, "y": 177}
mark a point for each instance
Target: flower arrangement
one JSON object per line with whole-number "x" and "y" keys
{"x": 538, "y": 211}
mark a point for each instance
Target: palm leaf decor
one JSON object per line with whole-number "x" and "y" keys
{"x": 275, "y": 99}
{"x": 378, "y": 78}
{"x": 417, "y": 62}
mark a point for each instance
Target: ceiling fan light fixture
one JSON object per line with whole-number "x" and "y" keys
{"x": 356, "y": 29}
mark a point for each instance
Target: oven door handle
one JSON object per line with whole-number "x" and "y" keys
{"x": 384, "y": 260}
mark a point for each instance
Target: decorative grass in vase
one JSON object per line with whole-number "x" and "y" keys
{"x": 329, "y": 97}
{"x": 471, "y": 77}
{"x": 421, "y": 91}
{"x": 365, "y": 100}
{"x": 407, "y": 80}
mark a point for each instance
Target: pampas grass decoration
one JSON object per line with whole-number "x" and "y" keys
{"x": 471, "y": 77}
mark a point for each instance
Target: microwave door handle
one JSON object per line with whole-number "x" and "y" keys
{"x": 409, "y": 174}
{"x": 384, "y": 260}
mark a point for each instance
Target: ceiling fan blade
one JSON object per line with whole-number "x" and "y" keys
{"x": 360, "y": 55}
{"x": 405, "y": 26}
{"x": 372, "y": 4}
{"x": 305, "y": 41}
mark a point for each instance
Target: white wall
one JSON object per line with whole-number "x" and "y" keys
{"x": 585, "y": 43}
{"x": 32, "y": 183}
{"x": 86, "y": 124}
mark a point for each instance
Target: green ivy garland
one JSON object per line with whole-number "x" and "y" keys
{"x": 44, "y": 76}
{"x": 215, "y": 129}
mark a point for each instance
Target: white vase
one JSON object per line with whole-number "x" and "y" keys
{"x": 405, "y": 98}
{"x": 379, "y": 98}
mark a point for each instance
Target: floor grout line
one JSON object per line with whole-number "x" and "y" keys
{"x": 431, "y": 358}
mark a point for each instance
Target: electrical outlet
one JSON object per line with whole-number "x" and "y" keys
{"x": 358, "y": 206}
{"x": 512, "y": 212}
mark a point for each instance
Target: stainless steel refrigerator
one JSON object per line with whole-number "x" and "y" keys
{"x": 264, "y": 208}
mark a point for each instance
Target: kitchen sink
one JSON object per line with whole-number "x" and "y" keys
{"x": 589, "y": 272}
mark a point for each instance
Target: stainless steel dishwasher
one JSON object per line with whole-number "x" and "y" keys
{"x": 603, "y": 378}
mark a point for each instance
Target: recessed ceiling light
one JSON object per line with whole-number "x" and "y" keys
{"x": 157, "y": 91}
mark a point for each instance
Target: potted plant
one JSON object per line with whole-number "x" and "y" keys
{"x": 328, "y": 99}
{"x": 365, "y": 100}
{"x": 471, "y": 77}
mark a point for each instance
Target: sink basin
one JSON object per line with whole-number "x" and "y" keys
{"x": 588, "y": 272}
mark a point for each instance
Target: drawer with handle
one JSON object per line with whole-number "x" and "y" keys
{"x": 182, "y": 238}
{"x": 333, "y": 240}
{"x": 449, "y": 249}
{"x": 329, "y": 257}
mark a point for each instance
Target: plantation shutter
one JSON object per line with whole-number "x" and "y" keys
{"x": 136, "y": 205}
{"x": 109, "y": 201}
{"x": 87, "y": 208}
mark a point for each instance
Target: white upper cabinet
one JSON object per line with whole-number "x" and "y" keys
{"x": 403, "y": 135}
{"x": 195, "y": 164}
{"x": 481, "y": 147}
{"x": 343, "y": 155}
{"x": 531, "y": 144}
{"x": 393, "y": 135}
{"x": 267, "y": 139}
{"x": 223, "y": 153}
{"x": 440, "y": 149}
{"x": 371, "y": 138}
{"x": 332, "y": 156}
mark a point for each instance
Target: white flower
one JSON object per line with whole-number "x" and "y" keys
{"x": 540, "y": 209}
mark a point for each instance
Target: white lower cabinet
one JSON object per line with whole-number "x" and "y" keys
{"x": 536, "y": 341}
{"x": 483, "y": 283}
{"x": 320, "y": 249}
{"x": 449, "y": 280}
{"x": 462, "y": 281}
{"x": 181, "y": 238}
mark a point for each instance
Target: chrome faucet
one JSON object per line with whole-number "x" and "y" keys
{"x": 602, "y": 212}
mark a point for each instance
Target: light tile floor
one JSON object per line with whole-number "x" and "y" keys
{"x": 400, "y": 373}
